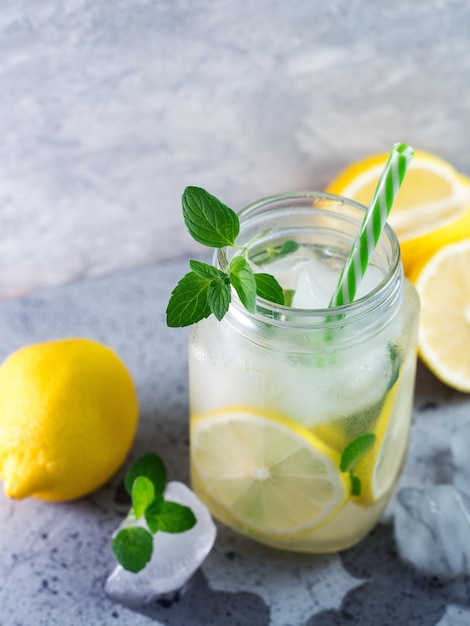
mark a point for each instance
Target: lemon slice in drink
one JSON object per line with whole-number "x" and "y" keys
{"x": 271, "y": 475}
{"x": 443, "y": 284}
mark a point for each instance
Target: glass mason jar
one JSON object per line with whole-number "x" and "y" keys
{"x": 300, "y": 417}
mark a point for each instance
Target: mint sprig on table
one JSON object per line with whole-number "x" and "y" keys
{"x": 145, "y": 482}
{"x": 206, "y": 289}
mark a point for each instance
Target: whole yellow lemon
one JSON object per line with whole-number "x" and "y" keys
{"x": 68, "y": 417}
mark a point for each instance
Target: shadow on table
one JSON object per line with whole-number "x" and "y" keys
{"x": 393, "y": 593}
{"x": 201, "y": 605}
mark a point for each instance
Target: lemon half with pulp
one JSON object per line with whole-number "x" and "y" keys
{"x": 432, "y": 207}
{"x": 443, "y": 284}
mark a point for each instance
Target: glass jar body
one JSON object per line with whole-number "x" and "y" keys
{"x": 318, "y": 379}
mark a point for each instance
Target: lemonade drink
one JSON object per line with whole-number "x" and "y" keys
{"x": 300, "y": 415}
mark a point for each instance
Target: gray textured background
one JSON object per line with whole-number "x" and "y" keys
{"x": 109, "y": 109}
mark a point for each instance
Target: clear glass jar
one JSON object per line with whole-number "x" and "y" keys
{"x": 285, "y": 401}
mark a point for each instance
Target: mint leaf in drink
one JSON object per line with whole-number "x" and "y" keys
{"x": 208, "y": 220}
{"x": 189, "y": 301}
{"x": 268, "y": 288}
{"x": 351, "y": 455}
{"x": 220, "y": 295}
{"x": 170, "y": 517}
{"x": 150, "y": 466}
{"x": 288, "y": 247}
{"x": 273, "y": 254}
{"x": 396, "y": 358}
{"x": 354, "y": 450}
{"x": 133, "y": 548}
{"x": 356, "y": 485}
{"x": 242, "y": 278}
{"x": 143, "y": 494}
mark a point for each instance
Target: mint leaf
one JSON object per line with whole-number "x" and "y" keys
{"x": 351, "y": 455}
{"x": 242, "y": 278}
{"x": 396, "y": 358}
{"x": 288, "y": 247}
{"x": 133, "y": 548}
{"x": 152, "y": 514}
{"x": 150, "y": 466}
{"x": 170, "y": 517}
{"x": 220, "y": 295}
{"x": 188, "y": 303}
{"x": 356, "y": 485}
{"x": 354, "y": 450}
{"x": 208, "y": 220}
{"x": 176, "y": 518}
{"x": 203, "y": 270}
{"x": 143, "y": 493}
{"x": 268, "y": 288}
{"x": 273, "y": 254}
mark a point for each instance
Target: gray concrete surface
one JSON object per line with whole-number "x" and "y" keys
{"x": 109, "y": 109}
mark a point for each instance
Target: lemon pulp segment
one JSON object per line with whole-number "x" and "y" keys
{"x": 443, "y": 284}
{"x": 431, "y": 209}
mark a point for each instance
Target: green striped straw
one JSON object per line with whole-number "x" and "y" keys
{"x": 373, "y": 223}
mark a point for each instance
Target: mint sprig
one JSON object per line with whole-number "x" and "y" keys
{"x": 145, "y": 482}
{"x": 206, "y": 289}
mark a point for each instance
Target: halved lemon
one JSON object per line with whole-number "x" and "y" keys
{"x": 269, "y": 474}
{"x": 431, "y": 209}
{"x": 443, "y": 284}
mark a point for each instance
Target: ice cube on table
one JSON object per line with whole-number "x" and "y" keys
{"x": 432, "y": 530}
{"x": 175, "y": 557}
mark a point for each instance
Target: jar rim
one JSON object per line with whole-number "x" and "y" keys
{"x": 282, "y": 315}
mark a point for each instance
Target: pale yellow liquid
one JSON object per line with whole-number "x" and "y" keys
{"x": 227, "y": 371}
